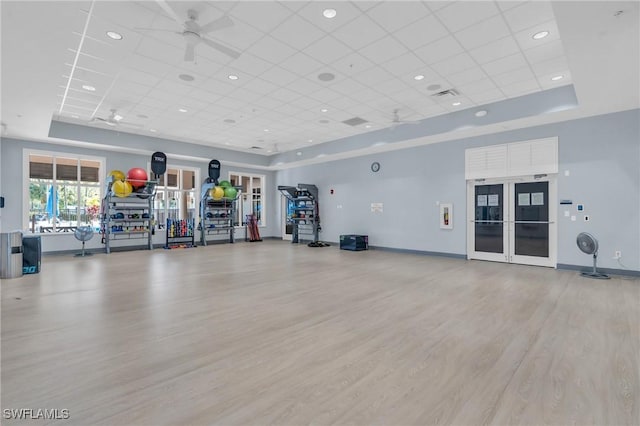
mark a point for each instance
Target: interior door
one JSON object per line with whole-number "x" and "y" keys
{"x": 513, "y": 221}
{"x": 488, "y": 239}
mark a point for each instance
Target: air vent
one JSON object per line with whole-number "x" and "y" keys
{"x": 256, "y": 147}
{"x": 446, "y": 93}
{"x": 355, "y": 121}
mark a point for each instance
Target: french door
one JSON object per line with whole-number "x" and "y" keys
{"x": 513, "y": 220}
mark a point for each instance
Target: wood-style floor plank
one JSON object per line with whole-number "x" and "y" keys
{"x": 273, "y": 333}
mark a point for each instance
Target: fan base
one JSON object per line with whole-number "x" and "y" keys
{"x": 595, "y": 275}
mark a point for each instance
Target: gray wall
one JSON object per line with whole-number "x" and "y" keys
{"x": 11, "y": 176}
{"x": 602, "y": 155}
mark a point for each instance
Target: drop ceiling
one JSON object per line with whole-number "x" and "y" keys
{"x": 485, "y": 50}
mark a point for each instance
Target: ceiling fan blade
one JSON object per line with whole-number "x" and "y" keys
{"x": 163, "y": 4}
{"x": 157, "y": 29}
{"x": 218, "y": 24}
{"x": 224, "y": 49}
{"x": 189, "y": 53}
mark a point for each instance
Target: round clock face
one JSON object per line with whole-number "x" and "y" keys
{"x": 375, "y": 166}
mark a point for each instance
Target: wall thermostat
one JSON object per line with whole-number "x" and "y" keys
{"x": 580, "y": 207}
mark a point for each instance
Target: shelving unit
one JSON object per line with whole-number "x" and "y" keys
{"x": 216, "y": 216}
{"x": 305, "y": 219}
{"x": 180, "y": 233}
{"x": 127, "y": 218}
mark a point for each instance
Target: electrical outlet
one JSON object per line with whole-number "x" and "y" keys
{"x": 618, "y": 254}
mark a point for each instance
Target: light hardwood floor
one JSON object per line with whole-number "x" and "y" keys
{"x": 270, "y": 333}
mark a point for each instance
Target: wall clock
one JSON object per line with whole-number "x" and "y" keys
{"x": 375, "y": 166}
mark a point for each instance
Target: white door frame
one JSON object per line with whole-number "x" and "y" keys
{"x": 508, "y": 229}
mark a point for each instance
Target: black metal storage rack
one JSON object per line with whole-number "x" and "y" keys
{"x": 216, "y": 216}
{"x": 127, "y": 218}
{"x": 305, "y": 218}
{"x": 180, "y": 233}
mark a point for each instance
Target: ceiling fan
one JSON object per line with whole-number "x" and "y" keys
{"x": 114, "y": 119}
{"x": 396, "y": 121}
{"x": 193, "y": 33}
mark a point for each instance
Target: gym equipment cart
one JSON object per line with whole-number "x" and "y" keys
{"x": 305, "y": 218}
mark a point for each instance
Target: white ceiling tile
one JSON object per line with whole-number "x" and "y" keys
{"x": 261, "y": 86}
{"x": 284, "y": 95}
{"x": 391, "y": 87}
{"x": 160, "y": 51}
{"x": 489, "y": 96}
{"x": 476, "y": 87}
{"x": 552, "y": 66}
{"x": 263, "y": 15}
{"x": 468, "y": 76}
{"x": 545, "y": 52}
{"x": 346, "y": 12}
{"x": 148, "y": 65}
{"x": 301, "y": 64}
{"x": 508, "y": 4}
{"x": 347, "y": 86}
{"x": 454, "y": 64}
{"x": 217, "y": 86}
{"x": 360, "y": 32}
{"x": 352, "y": 65}
{"x": 293, "y": 5}
{"x": 304, "y": 85}
{"x": 325, "y": 96}
{"x": 392, "y": 15}
{"x": 297, "y": 32}
{"x": 483, "y": 33}
{"x": 528, "y": 15}
{"x": 525, "y": 37}
{"x": 521, "y": 88}
{"x": 404, "y": 65}
{"x": 327, "y": 50}
{"x": 246, "y": 64}
{"x": 462, "y": 14}
{"x": 365, "y": 96}
{"x": 243, "y": 94}
{"x": 437, "y": 5}
{"x": 383, "y": 50}
{"x": 546, "y": 82}
{"x": 495, "y": 50}
{"x": 307, "y": 115}
{"x": 512, "y": 62}
{"x": 278, "y": 76}
{"x": 421, "y": 32}
{"x": 239, "y": 36}
{"x": 170, "y": 86}
{"x": 514, "y": 76}
{"x": 287, "y": 109}
{"x": 271, "y": 50}
{"x": 439, "y": 50}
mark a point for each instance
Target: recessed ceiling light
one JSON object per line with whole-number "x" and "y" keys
{"x": 541, "y": 34}
{"x": 153, "y": 130}
{"x": 268, "y": 150}
{"x": 481, "y": 113}
{"x": 456, "y": 103}
{"x": 310, "y": 140}
{"x": 266, "y": 130}
{"x": 89, "y": 88}
{"x": 299, "y": 153}
{"x": 182, "y": 110}
{"x": 74, "y": 116}
{"x": 557, "y": 77}
{"x": 418, "y": 77}
{"x": 117, "y": 117}
{"x": 114, "y": 35}
{"x": 186, "y": 77}
{"x": 324, "y": 110}
{"x": 329, "y": 13}
{"x": 368, "y": 126}
{"x": 233, "y": 77}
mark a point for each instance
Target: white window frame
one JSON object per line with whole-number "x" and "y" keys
{"x": 166, "y": 189}
{"x": 27, "y": 152}
{"x": 263, "y": 198}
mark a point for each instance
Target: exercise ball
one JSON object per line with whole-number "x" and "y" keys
{"x": 137, "y": 177}
{"x": 217, "y": 192}
{"x": 225, "y": 183}
{"x": 117, "y": 175}
{"x": 230, "y": 192}
{"x": 122, "y": 188}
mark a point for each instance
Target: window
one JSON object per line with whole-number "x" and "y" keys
{"x": 64, "y": 192}
{"x": 251, "y": 197}
{"x": 176, "y": 196}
